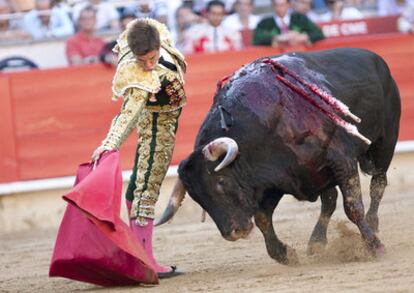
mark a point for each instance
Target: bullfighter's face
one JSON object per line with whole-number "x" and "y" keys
{"x": 149, "y": 60}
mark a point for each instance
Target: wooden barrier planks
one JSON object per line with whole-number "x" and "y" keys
{"x": 9, "y": 164}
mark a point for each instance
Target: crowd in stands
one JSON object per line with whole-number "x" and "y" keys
{"x": 196, "y": 26}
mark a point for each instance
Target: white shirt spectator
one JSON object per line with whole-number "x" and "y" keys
{"x": 205, "y": 38}
{"x": 351, "y": 13}
{"x": 59, "y": 25}
{"x": 347, "y": 13}
{"x": 315, "y": 17}
{"x": 388, "y": 7}
{"x": 200, "y": 5}
{"x": 171, "y": 6}
{"x": 283, "y": 23}
{"x": 185, "y": 19}
{"x": 106, "y": 14}
{"x": 406, "y": 21}
{"x": 233, "y": 22}
{"x": 140, "y": 9}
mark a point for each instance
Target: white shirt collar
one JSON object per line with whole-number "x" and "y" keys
{"x": 286, "y": 19}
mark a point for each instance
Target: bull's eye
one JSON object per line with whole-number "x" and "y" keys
{"x": 220, "y": 184}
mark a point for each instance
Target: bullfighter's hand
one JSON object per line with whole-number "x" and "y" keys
{"x": 97, "y": 153}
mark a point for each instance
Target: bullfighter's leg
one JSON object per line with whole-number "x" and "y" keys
{"x": 377, "y": 188}
{"x": 354, "y": 209}
{"x": 263, "y": 219}
{"x": 157, "y": 137}
{"x": 318, "y": 237}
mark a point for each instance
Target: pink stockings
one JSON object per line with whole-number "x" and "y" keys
{"x": 144, "y": 236}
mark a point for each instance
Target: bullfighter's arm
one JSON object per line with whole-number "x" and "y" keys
{"x": 125, "y": 121}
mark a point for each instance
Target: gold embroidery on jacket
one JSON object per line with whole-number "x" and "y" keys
{"x": 126, "y": 120}
{"x": 130, "y": 75}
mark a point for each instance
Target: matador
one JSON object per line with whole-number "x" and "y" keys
{"x": 149, "y": 79}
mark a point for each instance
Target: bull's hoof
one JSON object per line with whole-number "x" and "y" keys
{"x": 372, "y": 221}
{"x": 285, "y": 256}
{"x": 315, "y": 248}
{"x": 379, "y": 251}
{"x": 292, "y": 257}
{"x": 376, "y": 248}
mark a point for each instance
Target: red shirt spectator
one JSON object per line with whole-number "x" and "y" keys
{"x": 84, "y": 47}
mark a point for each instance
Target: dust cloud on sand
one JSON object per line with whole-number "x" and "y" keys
{"x": 347, "y": 247}
{"x": 213, "y": 264}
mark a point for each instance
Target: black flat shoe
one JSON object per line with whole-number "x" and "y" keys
{"x": 173, "y": 273}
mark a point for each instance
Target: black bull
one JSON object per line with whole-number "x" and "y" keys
{"x": 275, "y": 128}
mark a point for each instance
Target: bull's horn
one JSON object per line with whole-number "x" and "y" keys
{"x": 174, "y": 203}
{"x": 219, "y": 146}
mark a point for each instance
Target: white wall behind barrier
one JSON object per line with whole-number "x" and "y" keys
{"x": 47, "y": 54}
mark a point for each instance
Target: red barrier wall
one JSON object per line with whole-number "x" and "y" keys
{"x": 52, "y": 120}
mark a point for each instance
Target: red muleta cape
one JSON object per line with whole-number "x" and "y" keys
{"x": 93, "y": 244}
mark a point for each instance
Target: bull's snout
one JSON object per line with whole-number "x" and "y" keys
{"x": 238, "y": 233}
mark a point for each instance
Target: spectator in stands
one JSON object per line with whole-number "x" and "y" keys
{"x": 125, "y": 20}
{"x": 338, "y": 10}
{"x": 45, "y": 22}
{"x": 305, "y": 7}
{"x": 84, "y": 47}
{"x": 212, "y": 36}
{"x": 107, "y": 17}
{"x": 107, "y": 55}
{"x": 185, "y": 19}
{"x": 141, "y": 9}
{"x": 162, "y": 15}
{"x": 171, "y": 6}
{"x": 146, "y": 8}
{"x": 406, "y": 20}
{"x": 243, "y": 18}
{"x": 286, "y": 28}
{"x": 200, "y": 6}
{"x": 387, "y": 7}
{"x": 319, "y": 4}
{"x": 10, "y": 28}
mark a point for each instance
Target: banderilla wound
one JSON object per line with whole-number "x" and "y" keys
{"x": 223, "y": 82}
{"x": 328, "y": 99}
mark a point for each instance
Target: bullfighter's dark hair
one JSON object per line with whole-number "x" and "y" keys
{"x": 214, "y": 3}
{"x": 143, "y": 38}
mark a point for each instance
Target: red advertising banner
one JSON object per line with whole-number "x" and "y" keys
{"x": 358, "y": 27}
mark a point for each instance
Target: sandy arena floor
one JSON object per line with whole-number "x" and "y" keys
{"x": 213, "y": 264}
